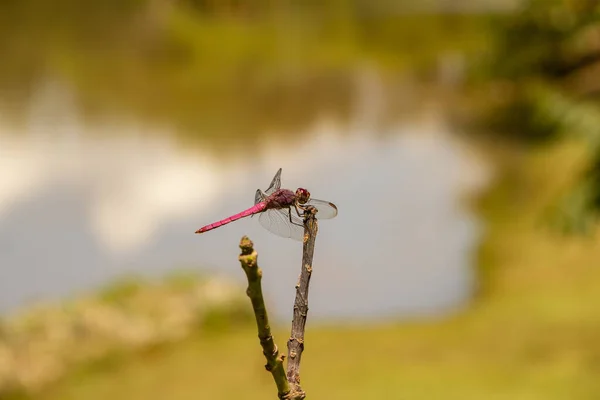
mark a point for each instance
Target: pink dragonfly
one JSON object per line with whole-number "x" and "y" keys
{"x": 275, "y": 208}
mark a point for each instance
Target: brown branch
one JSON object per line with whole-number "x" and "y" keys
{"x": 248, "y": 260}
{"x": 288, "y": 387}
{"x": 296, "y": 341}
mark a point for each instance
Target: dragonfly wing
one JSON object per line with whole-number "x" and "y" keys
{"x": 275, "y": 183}
{"x": 259, "y": 196}
{"x": 326, "y": 210}
{"x": 277, "y": 221}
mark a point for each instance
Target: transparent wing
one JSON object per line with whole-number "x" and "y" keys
{"x": 259, "y": 196}
{"x": 275, "y": 183}
{"x": 277, "y": 221}
{"x": 326, "y": 210}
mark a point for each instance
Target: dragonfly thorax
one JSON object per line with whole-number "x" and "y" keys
{"x": 302, "y": 195}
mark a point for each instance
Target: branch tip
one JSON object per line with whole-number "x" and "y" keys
{"x": 246, "y": 245}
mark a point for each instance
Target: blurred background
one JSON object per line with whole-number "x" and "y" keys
{"x": 460, "y": 140}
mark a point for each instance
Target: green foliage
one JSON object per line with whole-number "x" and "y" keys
{"x": 217, "y": 71}
{"x": 540, "y": 46}
{"x": 538, "y": 68}
{"x": 540, "y": 40}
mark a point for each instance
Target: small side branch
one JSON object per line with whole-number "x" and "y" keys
{"x": 296, "y": 341}
{"x": 248, "y": 260}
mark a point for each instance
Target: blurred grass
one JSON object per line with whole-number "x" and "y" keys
{"x": 532, "y": 333}
{"x": 40, "y": 345}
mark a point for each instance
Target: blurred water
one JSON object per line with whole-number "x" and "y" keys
{"x": 81, "y": 205}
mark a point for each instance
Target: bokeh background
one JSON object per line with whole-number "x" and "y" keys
{"x": 459, "y": 139}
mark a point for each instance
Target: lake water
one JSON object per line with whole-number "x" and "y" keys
{"x": 81, "y": 205}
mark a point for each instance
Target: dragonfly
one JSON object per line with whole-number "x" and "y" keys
{"x": 280, "y": 210}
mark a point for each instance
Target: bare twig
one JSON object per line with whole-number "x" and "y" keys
{"x": 288, "y": 387}
{"x": 248, "y": 260}
{"x": 296, "y": 341}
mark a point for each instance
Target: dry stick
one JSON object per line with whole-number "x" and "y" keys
{"x": 248, "y": 260}
{"x": 296, "y": 341}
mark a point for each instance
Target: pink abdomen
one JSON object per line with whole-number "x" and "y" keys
{"x": 246, "y": 213}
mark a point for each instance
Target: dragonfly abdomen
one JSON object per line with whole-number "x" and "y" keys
{"x": 246, "y": 213}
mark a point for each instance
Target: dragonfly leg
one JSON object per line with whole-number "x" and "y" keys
{"x": 298, "y": 208}
{"x": 290, "y": 215}
{"x": 304, "y": 208}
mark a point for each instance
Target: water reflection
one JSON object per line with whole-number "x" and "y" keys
{"x": 79, "y": 207}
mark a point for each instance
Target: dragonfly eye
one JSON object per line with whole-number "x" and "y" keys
{"x": 302, "y": 195}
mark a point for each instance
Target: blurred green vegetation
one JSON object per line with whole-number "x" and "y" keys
{"x": 218, "y": 71}
{"x": 131, "y": 317}
{"x": 540, "y": 84}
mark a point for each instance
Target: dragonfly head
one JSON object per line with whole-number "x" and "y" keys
{"x": 302, "y": 195}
